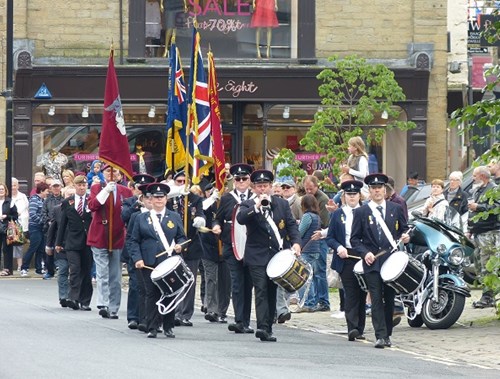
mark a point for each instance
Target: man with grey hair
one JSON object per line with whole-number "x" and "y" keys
{"x": 456, "y": 196}
{"x": 494, "y": 167}
{"x": 486, "y": 231}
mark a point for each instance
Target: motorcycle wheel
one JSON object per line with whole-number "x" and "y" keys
{"x": 445, "y": 312}
{"x": 417, "y": 322}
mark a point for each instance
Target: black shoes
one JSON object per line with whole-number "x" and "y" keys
{"x": 380, "y": 343}
{"x": 85, "y": 308}
{"x": 72, "y": 304}
{"x": 133, "y": 325}
{"x": 63, "y": 303}
{"x": 484, "y": 302}
{"x": 104, "y": 312}
{"x": 186, "y": 322}
{"x": 353, "y": 334}
{"x": 237, "y": 327}
{"x": 396, "y": 320}
{"x": 142, "y": 328}
{"x": 113, "y": 316}
{"x": 361, "y": 337}
{"x": 388, "y": 342}
{"x": 211, "y": 316}
{"x": 222, "y": 320}
{"x": 152, "y": 333}
{"x": 177, "y": 322}
{"x": 169, "y": 333}
{"x": 265, "y": 336}
{"x": 321, "y": 308}
{"x": 248, "y": 330}
{"x": 203, "y": 309}
{"x": 284, "y": 317}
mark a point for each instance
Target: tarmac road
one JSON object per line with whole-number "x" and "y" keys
{"x": 40, "y": 339}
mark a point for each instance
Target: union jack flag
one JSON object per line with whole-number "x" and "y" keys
{"x": 199, "y": 130}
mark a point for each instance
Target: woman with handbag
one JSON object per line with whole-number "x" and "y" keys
{"x": 8, "y": 212}
{"x": 20, "y": 200}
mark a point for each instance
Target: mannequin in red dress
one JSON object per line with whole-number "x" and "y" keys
{"x": 264, "y": 16}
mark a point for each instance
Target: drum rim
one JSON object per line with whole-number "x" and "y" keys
{"x": 395, "y": 254}
{"x": 156, "y": 269}
{"x": 282, "y": 253}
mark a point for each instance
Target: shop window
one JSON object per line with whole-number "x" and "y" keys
{"x": 232, "y": 27}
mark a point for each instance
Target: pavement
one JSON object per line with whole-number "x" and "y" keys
{"x": 473, "y": 340}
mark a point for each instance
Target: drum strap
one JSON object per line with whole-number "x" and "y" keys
{"x": 382, "y": 224}
{"x": 159, "y": 231}
{"x": 237, "y": 197}
{"x": 273, "y": 226}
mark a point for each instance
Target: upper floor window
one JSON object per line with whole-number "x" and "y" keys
{"x": 233, "y": 28}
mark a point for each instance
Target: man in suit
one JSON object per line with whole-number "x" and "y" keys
{"x": 192, "y": 209}
{"x": 72, "y": 237}
{"x": 146, "y": 242}
{"x": 241, "y": 282}
{"x": 270, "y": 228}
{"x": 368, "y": 240}
{"x": 106, "y": 238}
{"x": 131, "y": 206}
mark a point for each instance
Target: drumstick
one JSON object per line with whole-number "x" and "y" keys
{"x": 204, "y": 229}
{"x": 170, "y": 250}
{"x": 353, "y": 256}
{"x": 148, "y": 267}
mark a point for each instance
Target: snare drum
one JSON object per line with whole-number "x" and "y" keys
{"x": 287, "y": 271}
{"x": 171, "y": 276}
{"x": 402, "y": 272}
{"x": 359, "y": 273}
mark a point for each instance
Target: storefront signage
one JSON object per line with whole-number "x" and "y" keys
{"x": 235, "y": 89}
{"x": 226, "y": 8}
{"x": 310, "y": 162}
{"x": 92, "y": 157}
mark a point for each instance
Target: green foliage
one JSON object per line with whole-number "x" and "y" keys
{"x": 353, "y": 93}
{"x": 289, "y": 166}
{"x": 492, "y": 280}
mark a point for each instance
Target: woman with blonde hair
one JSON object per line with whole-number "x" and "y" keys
{"x": 68, "y": 177}
{"x": 357, "y": 163}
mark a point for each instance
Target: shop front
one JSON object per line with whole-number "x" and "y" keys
{"x": 263, "y": 110}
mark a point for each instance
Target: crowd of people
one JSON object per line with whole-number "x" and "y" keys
{"x": 165, "y": 232}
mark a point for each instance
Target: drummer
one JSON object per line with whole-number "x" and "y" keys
{"x": 270, "y": 228}
{"x": 368, "y": 239}
{"x": 241, "y": 282}
{"x": 145, "y": 244}
{"x": 344, "y": 258}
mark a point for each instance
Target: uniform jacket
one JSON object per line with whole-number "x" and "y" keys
{"x": 364, "y": 233}
{"x": 98, "y": 235}
{"x": 224, "y": 215}
{"x": 144, "y": 243}
{"x": 195, "y": 209}
{"x": 73, "y": 228}
{"x": 261, "y": 243}
{"x": 209, "y": 242}
{"x": 336, "y": 238}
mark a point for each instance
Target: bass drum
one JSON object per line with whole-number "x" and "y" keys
{"x": 402, "y": 272}
{"x": 238, "y": 235}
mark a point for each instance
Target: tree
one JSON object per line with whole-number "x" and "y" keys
{"x": 486, "y": 115}
{"x": 353, "y": 93}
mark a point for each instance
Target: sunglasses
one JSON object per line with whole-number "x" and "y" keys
{"x": 241, "y": 179}
{"x": 180, "y": 181}
{"x": 285, "y": 187}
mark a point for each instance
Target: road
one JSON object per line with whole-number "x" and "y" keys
{"x": 39, "y": 339}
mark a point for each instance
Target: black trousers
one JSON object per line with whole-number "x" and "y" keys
{"x": 382, "y": 304}
{"x": 265, "y": 297}
{"x": 7, "y": 253}
{"x": 80, "y": 281}
{"x": 354, "y": 298}
{"x": 153, "y": 317}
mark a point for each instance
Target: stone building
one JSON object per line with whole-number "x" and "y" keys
{"x": 60, "y": 61}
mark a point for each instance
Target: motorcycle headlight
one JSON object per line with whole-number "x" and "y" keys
{"x": 456, "y": 256}
{"x": 441, "y": 249}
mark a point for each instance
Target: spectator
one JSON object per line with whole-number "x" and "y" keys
{"x": 22, "y": 204}
{"x": 39, "y": 177}
{"x": 456, "y": 196}
{"x": 50, "y": 203}
{"x": 494, "y": 167}
{"x": 290, "y": 195}
{"x": 35, "y": 225}
{"x": 411, "y": 181}
{"x": 95, "y": 171}
{"x": 357, "y": 163}
{"x": 392, "y": 195}
{"x": 486, "y": 231}
{"x": 436, "y": 205}
{"x": 8, "y": 212}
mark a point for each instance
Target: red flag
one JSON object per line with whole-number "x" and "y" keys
{"x": 113, "y": 146}
{"x": 215, "y": 120}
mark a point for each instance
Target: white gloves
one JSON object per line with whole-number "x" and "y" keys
{"x": 110, "y": 187}
{"x": 207, "y": 203}
{"x": 215, "y": 195}
{"x": 198, "y": 222}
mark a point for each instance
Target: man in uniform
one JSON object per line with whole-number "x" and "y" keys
{"x": 144, "y": 245}
{"x": 368, "y": 239}
{"x": 241, "y": 282}
{"x": 270, "y": 228}
{"x": 106, "y": 238}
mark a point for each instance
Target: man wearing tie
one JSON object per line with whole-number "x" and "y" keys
{"x": 106, "y": 238}
{"x": 368, "y": 239}
{"x": 145, "y": 243}
{"x": 72, "y": 237}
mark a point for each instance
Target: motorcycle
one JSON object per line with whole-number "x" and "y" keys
{"x": 429, "y": 276}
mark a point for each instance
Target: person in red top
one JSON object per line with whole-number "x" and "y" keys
{"x": 106, "y": 238}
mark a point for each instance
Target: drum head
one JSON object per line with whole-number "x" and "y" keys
{"x": 165, "y": 267}
{"x": 238, "y": 235}
{"x": 358, "y": 267}
{"x": 394, "y": 265}
{"x": 280, "y": 263}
